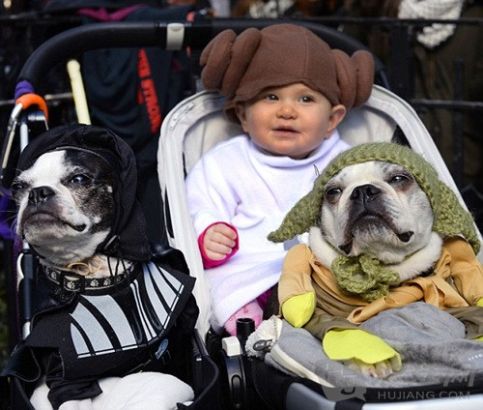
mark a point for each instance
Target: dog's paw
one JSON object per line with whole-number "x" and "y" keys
{"x": 298, "y": 310}
{"x": 362, "y": 351}
{"x": 379, "y": 370}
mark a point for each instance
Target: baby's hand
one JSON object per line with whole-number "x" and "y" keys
{"x": 219, "y": 241}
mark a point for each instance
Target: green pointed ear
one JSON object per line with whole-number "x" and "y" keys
{"x": 451, "y": 219}
{"x": 304, "y": 214}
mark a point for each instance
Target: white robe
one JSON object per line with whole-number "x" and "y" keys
{"x": 237, "y": 183}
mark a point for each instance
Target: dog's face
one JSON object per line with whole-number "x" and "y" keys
{"x": 376, "y": 208}
{"x": 65, "y": 204}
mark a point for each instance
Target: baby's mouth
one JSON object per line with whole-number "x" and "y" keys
{"x": 289, "y": 130}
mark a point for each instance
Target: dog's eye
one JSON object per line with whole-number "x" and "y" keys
{"x": 332, "y": 194}
{"x": 17, "y": 186}
{"x": 80, "y": 179}
{"x": 399, "y": 178}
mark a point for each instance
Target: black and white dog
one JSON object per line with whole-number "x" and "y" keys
{"x": 104, "y": 312}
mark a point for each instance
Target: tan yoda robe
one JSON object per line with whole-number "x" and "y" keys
{"x": 455, "y": 285}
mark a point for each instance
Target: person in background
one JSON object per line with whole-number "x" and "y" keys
{"x": 435, "y": 49}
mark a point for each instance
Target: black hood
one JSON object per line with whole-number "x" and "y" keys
{"x": 127, "y": 238}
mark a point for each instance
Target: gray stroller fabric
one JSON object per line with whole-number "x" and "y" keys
{"x": 431, "y": 342}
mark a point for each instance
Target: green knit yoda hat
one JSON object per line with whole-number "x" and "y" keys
{"x": 450, "y": 218}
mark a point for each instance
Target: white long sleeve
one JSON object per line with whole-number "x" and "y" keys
{"x": 237, "y": 183}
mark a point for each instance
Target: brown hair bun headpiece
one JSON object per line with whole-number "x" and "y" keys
{"x": 242, "y": 66}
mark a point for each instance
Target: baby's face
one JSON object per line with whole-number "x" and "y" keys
{"x": 292, "y": 120}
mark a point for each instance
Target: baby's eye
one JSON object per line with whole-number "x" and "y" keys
{"x": 271, "y": 97}
{"x": 307, "y": 98}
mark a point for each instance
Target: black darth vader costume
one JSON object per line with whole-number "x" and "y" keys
{"x": 84, "y": 329}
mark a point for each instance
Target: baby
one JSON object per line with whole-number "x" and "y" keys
{"x": 289, "y": 91}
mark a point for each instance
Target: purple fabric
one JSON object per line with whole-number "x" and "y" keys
{"x": 22, "y": 88}
{"x": 263, "y": 298}
{"x": 5, "y": 231}
{"x": 102, "y": 14}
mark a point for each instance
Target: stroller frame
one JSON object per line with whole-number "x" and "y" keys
{"x": 177, "y": 36}
{"x": 31, "y": 108}
{"x": 183, "y": 119}
{"x": 30, "y": 111}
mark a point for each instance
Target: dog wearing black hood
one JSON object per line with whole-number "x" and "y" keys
{"x": 103, "y": 309}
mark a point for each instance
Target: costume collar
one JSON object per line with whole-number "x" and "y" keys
{"x": 73, "y": 282}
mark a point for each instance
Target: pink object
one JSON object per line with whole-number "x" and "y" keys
{"x": 212, "y": 263}
{"x": 251, "y": 310}
{"x": 101, "y": 14}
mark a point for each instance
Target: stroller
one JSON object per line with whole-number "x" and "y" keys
{"x": 29, "y": 119}
{"x": 194, "y": 126}
{"x": 183, "y": 139}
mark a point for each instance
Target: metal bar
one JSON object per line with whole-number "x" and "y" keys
{"x": 53, "y": 98}
{"x": 73, "y": 42}
{"x": 390, "y": 21}
{"x": 457, "y": 124}
{"x": 399, "y": 75}
{"x": 448, "y": 104}
{"x": 417, "y": 102}
{"x": 37, "y": 19}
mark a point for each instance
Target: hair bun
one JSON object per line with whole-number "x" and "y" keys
{"x": 346, "y": 78}
{"x": 364, "y": 64}
{"x": 226, "y": 58}
{"x": 215, "y": 59}
{"x": 355, "y": 76}
{"x": 241, "y": 66}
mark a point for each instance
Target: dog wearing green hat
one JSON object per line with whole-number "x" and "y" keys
{"x": 384, "y": 232}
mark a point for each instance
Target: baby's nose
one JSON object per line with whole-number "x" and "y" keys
{"x": 286, "y": 110}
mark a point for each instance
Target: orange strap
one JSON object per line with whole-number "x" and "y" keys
{"x": 31, "y": 99}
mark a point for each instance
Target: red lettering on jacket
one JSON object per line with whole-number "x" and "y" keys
{"x": 148, "y": 91}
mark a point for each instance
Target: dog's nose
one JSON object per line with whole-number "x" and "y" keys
{"x": 40, "y": 194}
{"x": 365, "y": 193}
